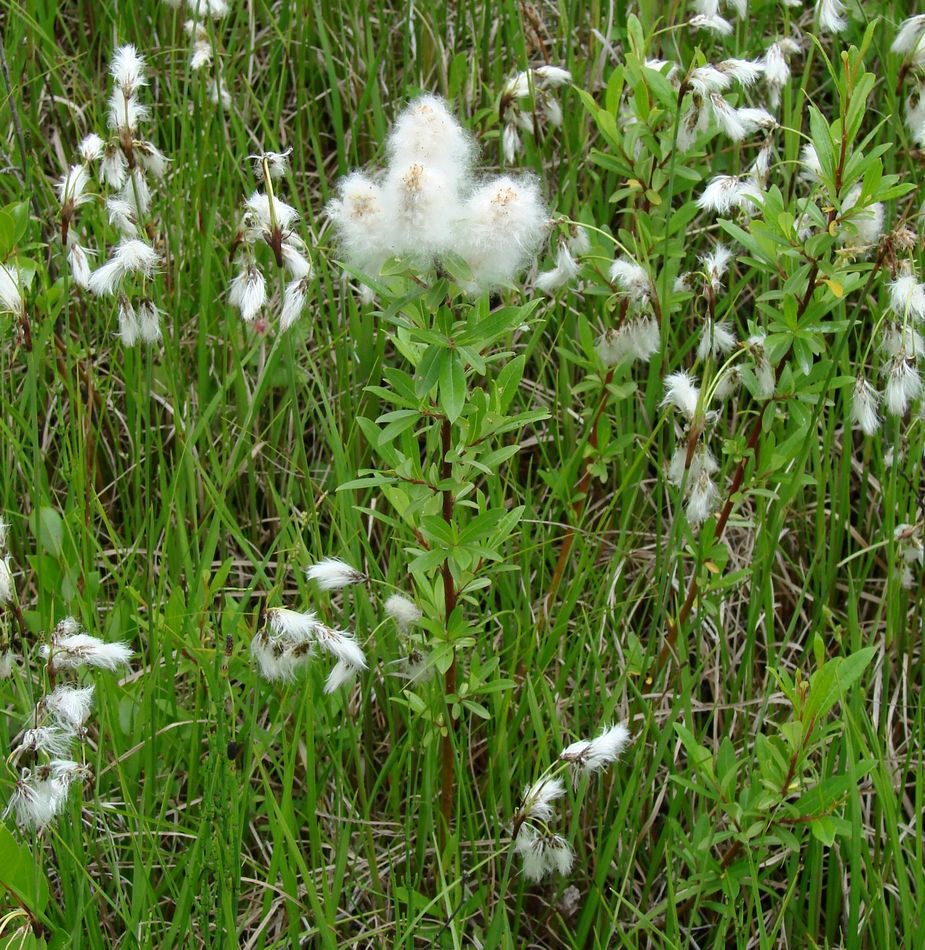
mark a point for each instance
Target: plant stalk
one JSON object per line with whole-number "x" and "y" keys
{"x": 447, "y": 750}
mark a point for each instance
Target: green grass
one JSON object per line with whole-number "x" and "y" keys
{"x": 164, "y": 496}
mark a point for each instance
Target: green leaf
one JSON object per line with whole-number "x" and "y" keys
{"x": 824, "y": 830}
{"x": 452, "y": 385}
{"x": 19, "y": 873}
{"x": 700, "y": 757}
{"x": 48, "y": 529}
{"x": 830, "y": 684}
{"x": 428, "y": 370}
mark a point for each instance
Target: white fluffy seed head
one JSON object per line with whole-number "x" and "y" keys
{"x": 34, "y": 803}
{"x": 863, "y": 226}
{"x": 565, "y": 271}
{"x": 332, "y": 573}
{"x": 713, "y": 24}
{"x": 149, "y": 322}
{"x": 422, "y": 205}
{"x": 70, "y": 651}
{"x": 403, "y": 611}
{"x": 295, "y": 297}
{"x": 128, "y": 69}
{"x": 7, "y": 585}
{"x": 682, "y": 393}
{"x": 151, "y": 159}
{"x": 126, "y": 113}
{"x": 72, "y": 188}
{"x": 292, "y": 627}
{"x": 728, "y": 118}
{"x": 705, "y": 80}
{"x": 717, "y": 338}
{"x": 359, "y": 219}
{"x": 271, "y": 214}
{"x": 79, "y": 263}
{"x": 10, "y": 293}
{"x": 90, "y": 147}
{"x": 551, "y": 77}
{"x": 829, "y": 15}
{"x": 296, "y": 263}
{"x": 278, "y": 662}
{"x": 342, "y": 646}
{"x": 538, "y": 799}
{"x": 722, "y": 194}
{"x": 864, "y": 407}
{"x": 702, "y": 498}
{"x": 909, "y": 35}
{"x": 276, "y": 164}
{"x": 248, "y": 292}
{"x": 510, "y": 142}
{"x": 592, "y": 755}
{"x": 427, "y": 133}
{"x": 503, "y": 222}
{"x": 907, "y": 297}
{"x": 113, "y": 166}
{"x": 542, "y": 853}
{"x": 128, "y": 322}
{"x": 342, "y": 674}
{"x": 69, "y": 705}
{"x": 632, "y": 279}
{"x": 52, "y": 740}
{"x": 904, "y": 384}
{"x": 746, "y": 72}
{"x": 136, "y": 256}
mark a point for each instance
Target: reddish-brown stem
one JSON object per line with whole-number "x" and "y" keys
{"x": 449, "y": 602}
{"x": 737, "y": 478}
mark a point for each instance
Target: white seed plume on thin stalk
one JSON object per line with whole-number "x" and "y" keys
{"x": 761, "y": 366}
{"x": 126, "y": 163}
{"x": 637, "y": 338}
{"x": 541, "y": 850}
{"x": 566, "y": 270}
{"x": 863, "y": 226}
{"x": 907, "y": 296}
{"x": 7, "y": 584}
{"x": 702, "y": 498}
{"x": 12, "y": 282}
{"x": 268, "y": 222}
{"x": 701, "y": 461}
{"x": 332, "y": 573}
{"x": 903, "y": 385}
{"x": 908, "y": 41}
{"x": 538, "y": 799}
{"x": 830, "y": 16}
{"x": 426, "y": 205}
{"x": 403, "y": 611}
{"x": 864, "y": 404}
{"x": 202, "y": 31}
{"x": 908, "y": 538}
{"x": 632, "y": 279}
{"x": 682, "y": 393}
{"x": 776, "y": 67}
{"x": 284, "y": 646}
{"x": 717, "y": 339}
{"x": 526, "y": 99}
{"x": 70, "y": 649}
{"x": 7, "y": 598}
{"x": 713, "y": 24}
{"x": 592, "y": 755}
{"x": 58, "y": 721}
{"x": 70, "y": 705}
